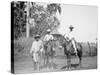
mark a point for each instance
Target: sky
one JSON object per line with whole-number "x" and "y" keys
{"x": 83, "y": 18}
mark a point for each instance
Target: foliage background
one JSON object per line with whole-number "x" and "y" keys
{"x": 39, "y": 18}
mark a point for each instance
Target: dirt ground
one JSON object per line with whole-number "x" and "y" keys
{"x": 23, "y": 61}
{"x": 24, "y": 64}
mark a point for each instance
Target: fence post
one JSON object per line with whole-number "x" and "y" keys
{"x": 89, "y": 49}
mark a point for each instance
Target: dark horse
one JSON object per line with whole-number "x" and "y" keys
{"x": 69, "y": 51}
{"x": 49, "y": 53}
{"x": 68, "y": 48}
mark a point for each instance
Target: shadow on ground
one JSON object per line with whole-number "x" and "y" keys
{"x": 73, "y": 66}
{"x": 49, "y": 65}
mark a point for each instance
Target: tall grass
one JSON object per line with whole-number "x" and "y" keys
{"x": 23, "y": 45}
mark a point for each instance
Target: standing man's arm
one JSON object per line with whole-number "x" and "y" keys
{"x": 41, "y": 46}
{"x": 31, "y": 50}
{"x": 52, "y": 37}
{"x": 45, "y": 38}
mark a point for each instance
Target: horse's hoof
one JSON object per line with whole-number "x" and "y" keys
{"x": 72, "y": 68}
{"x": 67, "y": 69}
{"x": 38, "y": 69}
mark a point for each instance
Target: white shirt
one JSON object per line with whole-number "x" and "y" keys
{"x": 69, "y": 35}
{"x": 36, "y": 46}
{"x": 48, "y": 37}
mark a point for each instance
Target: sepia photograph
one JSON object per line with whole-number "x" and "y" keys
{"x": 53, "y": 37}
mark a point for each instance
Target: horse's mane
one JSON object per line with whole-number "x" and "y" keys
{"x": 60, "y": 38}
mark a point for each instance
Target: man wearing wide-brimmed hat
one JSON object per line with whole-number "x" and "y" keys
{"x": 46, "y": 40}
{"x": 71, "y": 38}
{"x": 35, "y": 49}
{"x": 48, "y": 36}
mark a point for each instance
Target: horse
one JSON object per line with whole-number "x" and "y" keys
{"x": 67, "y": 47}
{"x": 45, "y": 54}
{"x": 49, "y": 52}
{"x": 69, "y": 51}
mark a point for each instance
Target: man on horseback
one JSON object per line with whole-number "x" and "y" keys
{"x": 48, "y": 45}
{"x": 35, "y": 50}
{"x": 71, "y": 38}
{"x": 48, "y": 36}
{"x": 72, "y": 47}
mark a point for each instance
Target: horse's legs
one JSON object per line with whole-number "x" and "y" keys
{"x": 47, "y": 60}
{"x": 80, "y": 58}
{"x": 51, "y": 62}
{"x": 80, "y": 55}
{"x": 69, "y": 61}
{"x": 79, "y": 61}
{"x": 44, "y": 58}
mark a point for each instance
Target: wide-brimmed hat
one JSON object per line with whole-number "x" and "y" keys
{"x": 71, "y": 27}
{"x": 49, "y": 30}
{"x": 37, "y": 36}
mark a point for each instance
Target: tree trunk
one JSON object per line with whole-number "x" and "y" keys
{"x": 27, "y": 24}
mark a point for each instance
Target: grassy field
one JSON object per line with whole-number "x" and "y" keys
{"x": 23, "y": 61}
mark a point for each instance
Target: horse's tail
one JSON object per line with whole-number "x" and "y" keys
{"x": 80, "y": 49}
{"x": 81, "y": 46}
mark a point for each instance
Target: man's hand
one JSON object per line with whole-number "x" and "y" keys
{"x": 31, "y": 53}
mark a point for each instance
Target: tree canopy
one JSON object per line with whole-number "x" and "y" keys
{"x": 41, "y": 18}
{"x": 19, "y": 18}
{"x": 44, "y": 18}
